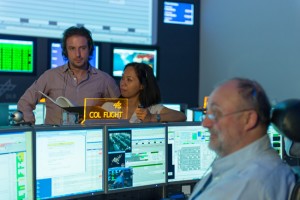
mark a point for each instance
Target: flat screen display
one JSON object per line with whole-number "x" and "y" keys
{"x": 40, "y": 113}
{"x": 16, "y": 164}
{"x": 17, "y": 55}
{"x": 123, "y": 56}
{"x": 189, "y": 157}
{"x": 198, "y": 115}
{"x": 69, "y": 162}
{"x": 57, "y": 59}
{"x": 178, "y": 13}
{"x": 120, "y": 21}
{"x": 136, "y": 156}
{"x": 189, "y": 115}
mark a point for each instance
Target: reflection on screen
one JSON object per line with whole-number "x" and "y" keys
{"x": 123, "y": 56}
{"x": 136, "y": 156}
{"x": 58, "y": 60}
{"x": 189, "y": 157}
{"x": 69, "y": 163}
{"x": 276, "y": 140}
{"x": 16, "y": 180}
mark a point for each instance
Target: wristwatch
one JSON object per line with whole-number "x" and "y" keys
{"x": 158, "y": 118}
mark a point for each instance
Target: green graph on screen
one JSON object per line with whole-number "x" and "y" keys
{"x": 16, "y": 56}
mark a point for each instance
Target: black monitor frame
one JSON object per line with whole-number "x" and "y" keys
{"x": 171, "y": 157}
{"x": 68, "y": 128}
{"x": 129, "y": 126}
{"x": 34, "y": 54}
{"x": 29, "y": 157}
{"x": 118, "y": 74}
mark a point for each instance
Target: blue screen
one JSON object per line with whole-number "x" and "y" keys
{"x": 178, "y": 13}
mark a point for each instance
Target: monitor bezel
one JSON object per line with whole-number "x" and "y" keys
{"x": 130, "y": 125}
{"x": 70, "y": 127}
{"x": 34, "y": 56}
{"x": 137, "y": 48}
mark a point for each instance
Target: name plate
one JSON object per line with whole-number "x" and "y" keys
{"x": 96, "y": 109}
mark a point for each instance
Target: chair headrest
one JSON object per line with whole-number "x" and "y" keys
{"x": 286, "y": 118}
{"x": 292, "y": 148}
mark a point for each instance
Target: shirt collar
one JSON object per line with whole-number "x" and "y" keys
{"x": 91, "y": 69}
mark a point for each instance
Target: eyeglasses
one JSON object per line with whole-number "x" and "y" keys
{"x": 216, "y": 118}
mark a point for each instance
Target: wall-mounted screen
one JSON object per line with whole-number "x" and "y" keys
{"x": 178, "y": 13}
{"x": 136, "y": 156}
{"x": 121, "y": 21}
{"x": 69, "y": 161}
{"x": 16, "y": 177}
{"x": 123, "y": 56}
{"x": 189, "y": 157}
{"x": 57, "y": 59}
{"x": 17, "y": 55}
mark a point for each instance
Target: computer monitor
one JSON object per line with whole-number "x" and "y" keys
{"x": 198, "y": 115}
{"x": 4, "y": 114}
{"x": 189, "y": 115}
{"x": 7, "y": 109}
{"x": 69, "y": 161}
{"x": 276, "y": 140}
{"x": 178, "y": 13}
{"x": 189, "y": 157}
{"x": 40, "y": 113}
{"x": 124, "y": 55}
{"x": 56, "y": 58}
{"x": 136, "y": 156}
{"x": 16, "y": 153}
{"x": 17, "y": 55}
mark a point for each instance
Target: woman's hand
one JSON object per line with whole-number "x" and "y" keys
{"x": 143, "y": 114}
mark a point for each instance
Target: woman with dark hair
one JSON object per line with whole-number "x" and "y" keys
{"x": 139, "y": 86}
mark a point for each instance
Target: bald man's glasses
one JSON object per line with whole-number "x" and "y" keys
{"x": 216, "y": 117}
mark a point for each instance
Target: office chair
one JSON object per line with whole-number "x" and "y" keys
{"x": 286, "y": 118}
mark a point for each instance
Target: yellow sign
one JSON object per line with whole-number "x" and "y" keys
{"x": 105, "y": 108}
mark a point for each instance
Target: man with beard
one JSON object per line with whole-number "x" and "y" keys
{"x": 247, "y": 167}
{"x": 75, "y": 80}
